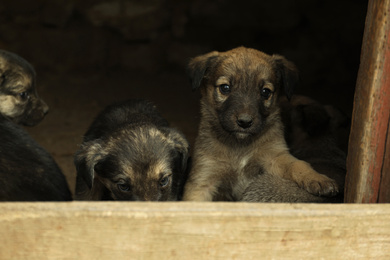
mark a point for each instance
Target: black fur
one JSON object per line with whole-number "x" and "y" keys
{"x": 131, "y": 112}
{"x": 120, "y": 149}
{"x": 198, "y": 71}
{"x": 310, "y": 132}
{"x": 288, "y": 75}
{"x": 27, "y": 171}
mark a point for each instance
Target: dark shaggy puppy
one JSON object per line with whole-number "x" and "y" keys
{"x": 130, "y": 153}
{"x": 27, "y": 171}
{"x": 241, "y": 134}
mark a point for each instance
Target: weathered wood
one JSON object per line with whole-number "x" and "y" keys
{"x": 384, "y": 191}
{"x": 130, "y": 230}
{"x": 367, "y": 143}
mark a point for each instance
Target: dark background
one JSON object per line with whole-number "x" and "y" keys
{"x": 88, "y": 54}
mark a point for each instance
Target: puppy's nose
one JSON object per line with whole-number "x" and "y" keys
{"x": 245, "y": 121}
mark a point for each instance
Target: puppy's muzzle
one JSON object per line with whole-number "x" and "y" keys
{"x": 244, "y": 121}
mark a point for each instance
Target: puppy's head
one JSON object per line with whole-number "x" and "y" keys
{"x": 239, "y": 90}
{"x": 307, "y": 119}
{"x": 145, "y": 164}
{"x": 19, "y": 100}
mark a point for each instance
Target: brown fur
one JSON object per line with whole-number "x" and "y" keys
{"x": 241, "y": 134}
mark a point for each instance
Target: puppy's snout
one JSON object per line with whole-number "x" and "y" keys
{"x": 244, "y": 121}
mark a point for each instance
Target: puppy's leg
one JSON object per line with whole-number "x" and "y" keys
{"x": 198, "y": 192}
{"x": 202, "y": 184}
{"x": 289, "y": 167}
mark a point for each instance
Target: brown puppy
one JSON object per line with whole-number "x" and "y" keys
{"x": 27, "y": 171}
{"x": 130, "y": 153}
{"x": 241, "y": 133}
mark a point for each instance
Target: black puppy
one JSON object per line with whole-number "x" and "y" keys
{"x": 130, "y": 153}
{"x": 27, "y": 171}
{"x": 315, "y": 133}
{"x": 312, "y": 132}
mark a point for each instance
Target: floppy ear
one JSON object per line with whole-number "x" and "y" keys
{"x": 198, "y": 66}
{"x": 2, "y": 77}
{"x": 85, "y": 160}
{"x": 180, "y": 145}
{"x": 288, "y": 76}
{"x": 2, "y": 68}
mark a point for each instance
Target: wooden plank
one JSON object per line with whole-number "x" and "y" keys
{"x": 185, "y": 230}
{"x": 370, "y": 120}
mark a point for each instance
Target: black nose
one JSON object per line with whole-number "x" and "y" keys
{"x": 245, "y": 121}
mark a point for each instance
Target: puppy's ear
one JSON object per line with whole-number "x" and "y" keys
{"x": 287, "y": 72}
{"x": 180, "y": 145}
{"x": 2, "y": 69}
{"x": 2, "y": 77}
{"x": 85, "y": 160}
{"x": 198, "y": 67}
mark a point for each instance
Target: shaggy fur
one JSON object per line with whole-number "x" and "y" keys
{"x": 241, "y": 134}
{"x": 130, "y": 153}
{"x": 27, "y": 171}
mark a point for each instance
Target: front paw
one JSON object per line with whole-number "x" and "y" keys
{"x": 320, "y": 185}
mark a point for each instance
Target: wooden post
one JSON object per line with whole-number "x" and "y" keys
{"x": 366, "y": 160}
{"x": 384, "y": 189}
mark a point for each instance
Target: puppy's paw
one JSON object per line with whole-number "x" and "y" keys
{"x": 320, "y": 185}
{"x": 312, "y": 181}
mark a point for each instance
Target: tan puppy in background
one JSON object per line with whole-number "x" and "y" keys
{"x": 240, "y": 134}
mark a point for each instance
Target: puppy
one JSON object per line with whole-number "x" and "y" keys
{"x": 130, "y": 153}
{"x": 27, "y": 171}
{"x": 241, "y": 134}
{"x": 312, "y": 131}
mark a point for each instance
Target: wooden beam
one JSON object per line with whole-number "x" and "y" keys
{"x": 131, "y": 230}
{"x": 384, "y": 189}
{"x": 370, "y": 121}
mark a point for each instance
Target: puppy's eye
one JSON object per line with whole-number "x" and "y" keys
{"x": 266, "y": 93}
{"x": 124, "y": 187}
{"x": 164, "y": 181}
{"x": 224, "y": 89}
{"x": 23, "y": 95}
